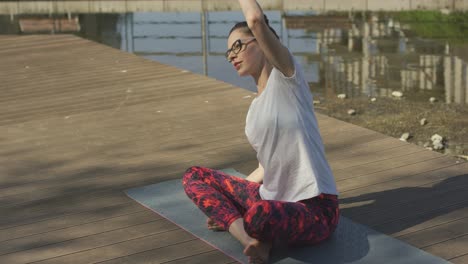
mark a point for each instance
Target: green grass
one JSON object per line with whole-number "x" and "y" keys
{"x": 434, "y": 24}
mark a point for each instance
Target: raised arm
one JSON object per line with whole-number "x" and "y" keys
{"x": 274, "y": 51}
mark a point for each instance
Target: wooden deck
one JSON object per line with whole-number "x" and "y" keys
{"x": 81, "y": 122}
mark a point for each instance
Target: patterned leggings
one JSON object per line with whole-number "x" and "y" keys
{"x": 225, "y": 198}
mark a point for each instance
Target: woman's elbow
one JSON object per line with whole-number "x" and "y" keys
{"x": 254, "y": 20}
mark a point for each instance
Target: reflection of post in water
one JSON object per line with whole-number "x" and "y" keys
{"x": 329, "y": 30}
{"x": 204, "y": 37}
{"x": 352, "y": 73}
{"x": 456, "y": 80}
{"x": 102, "y": 28}
{"x": 428, "y": 72}
{"x": 9, "y": 24}
{"x": 448, "y": 72}
{"x": 128, "y": 32}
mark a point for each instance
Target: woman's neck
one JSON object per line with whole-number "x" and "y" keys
{"x": 262, "y": 78}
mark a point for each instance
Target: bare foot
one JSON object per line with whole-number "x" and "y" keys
{"x": 258, "y": 252}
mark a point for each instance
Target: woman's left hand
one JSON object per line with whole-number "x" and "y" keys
{"x": 212, "y": 225}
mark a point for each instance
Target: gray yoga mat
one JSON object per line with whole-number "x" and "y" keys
{"x": 351, "y": 242}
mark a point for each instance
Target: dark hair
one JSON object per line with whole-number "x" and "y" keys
{"x": 244, "y": 27}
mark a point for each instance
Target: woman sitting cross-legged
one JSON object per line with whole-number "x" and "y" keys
{"x": 291, "y": 197}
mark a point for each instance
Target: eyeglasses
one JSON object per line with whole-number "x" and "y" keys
{"x": 237, "y": 47}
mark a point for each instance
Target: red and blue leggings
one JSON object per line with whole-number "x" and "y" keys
{"x": 225, "y": 198}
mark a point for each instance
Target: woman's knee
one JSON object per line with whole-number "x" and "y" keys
{"x": 192, "y": 173}
{"x": 257, "y": 220}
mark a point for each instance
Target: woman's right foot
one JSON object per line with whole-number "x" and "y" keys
{"x": 258, "y": 252}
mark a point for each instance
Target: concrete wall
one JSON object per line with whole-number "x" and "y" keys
{"x": 122, "y": 6}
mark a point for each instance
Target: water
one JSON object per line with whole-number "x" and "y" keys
{"x": 175, "y": 38}
{"x": 360, "y": 54}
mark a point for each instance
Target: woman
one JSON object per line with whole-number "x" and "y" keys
{"x": 291, "y": 197}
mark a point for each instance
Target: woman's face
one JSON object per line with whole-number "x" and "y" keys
{"x": 248, "y": 59}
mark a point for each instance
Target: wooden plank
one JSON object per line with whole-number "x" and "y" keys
{"x": 39, "y": 210}
{"x": 463, "y": 259}
{"x": 120, "y": 179}
{"x": 122, "y": 75}
{"x": 43, "y": 92}
{"x": 361, "y": 203}
{"x": 125, "y": 247}
{"x": 375, "y": 203}
{"x": 67, "y": 144}
{"x": 43, "y": 189}
{"x": 346, "y": 142}
{"x": 184, "y": 250}
{"x": 384, "y": 165}
{"x": 157, "y": 233}
{"x": 440, "y": 204}
{"x": 119, "y": 106}
{"x": 79, "y": 231}
{"x": 367, "y": 181}
{"x": 212, "y": 257}
{"x": 449, "y": 249}
{"x": 435, "y": 221}
{"x": 437, "y": 234}
{"x": 432, "y": 177}
{"x": 66, "y": 108}
{"x": 69, "y": 173}
{"x": 50, "y": 190}
{"x": 58, "y": 206}
{"x": 371, "y": 155}
{"x": 164, "y": 130}
{"x": 70, "y": 220}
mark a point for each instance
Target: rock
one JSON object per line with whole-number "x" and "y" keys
{"x": 351, "y": 112}
{"x": 405, "y": 136}
{"x": 437, "y": 142}
{"x": 423, "y": 122}
{"x": 342, "y": 96}
{"x": 316, "y": 102}
{"x": 445, "y": 11}
{"x": 432, "y": 99}
{"x": 437, "y": 145}
{"x": 436, "y": 137}
{"x": 397, "y": 94}
{"x": 427, "y": 145}
{"x": 373, "y": 99}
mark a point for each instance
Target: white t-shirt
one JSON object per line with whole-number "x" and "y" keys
{"x": 282, "y": 128}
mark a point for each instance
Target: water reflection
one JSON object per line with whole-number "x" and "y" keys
{"x": 380, "y": 59}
